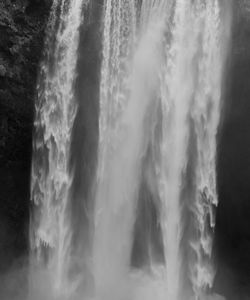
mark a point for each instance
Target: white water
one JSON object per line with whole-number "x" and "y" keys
{"x": 55, "y": 114}
{"x": 118, "y": 154}
{"x": 191, "y": 87}
{"x": 177, "y": 65}
{"x": 160, "y": 99}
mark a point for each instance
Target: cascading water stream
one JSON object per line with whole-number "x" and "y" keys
{"x": 177, "y": 66}
{"x": 118, "y": 154}
{"x": 55, "y": 113}
{"x": 160, "y": 98}
{"x": 205, "y": 113}
{"x": 191, "y": 85}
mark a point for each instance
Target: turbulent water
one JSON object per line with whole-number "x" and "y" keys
{"x": 155, "y": 187}
{"x": 55, "y": 113}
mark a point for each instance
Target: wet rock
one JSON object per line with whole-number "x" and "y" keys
{"x": 3, "y": 70}
{"x": 22, "y": 26}
{"x": 232, "y": 220}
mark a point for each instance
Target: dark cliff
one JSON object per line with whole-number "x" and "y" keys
{"x": 233, "y": 222}
{"x": 22, "y": 26}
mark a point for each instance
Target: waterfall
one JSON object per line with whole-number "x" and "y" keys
{"x": 155, "y": 188}
{"x": 175, "y": 67}
{"x": 55, "y": 111}
{"x": 191, "y": 85}
{"x": 118, "y": 152}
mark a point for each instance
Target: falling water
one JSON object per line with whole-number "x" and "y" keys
{"x": 175, "y": 68}
{"x": 191, "y": 92}
{"x": 160, "y": 100}
{"x": 118, "y": 153}
{"x": 55, "y": 113}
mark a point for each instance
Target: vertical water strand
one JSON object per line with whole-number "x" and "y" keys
{"x": 113, "y": 203}
{"x": 155, "y": 11}
{"x": 205, "y": 113}
{"x": 190, "y": 88}
{"x": 39, "y": 163}
{"x": 177, "y": 89}
{"x": 55, "y": 113}
{"x": 118, "y": 39}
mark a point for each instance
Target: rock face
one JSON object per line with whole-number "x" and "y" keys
{"x": 233, "y": 222}
{"x": 22, "y": 25}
